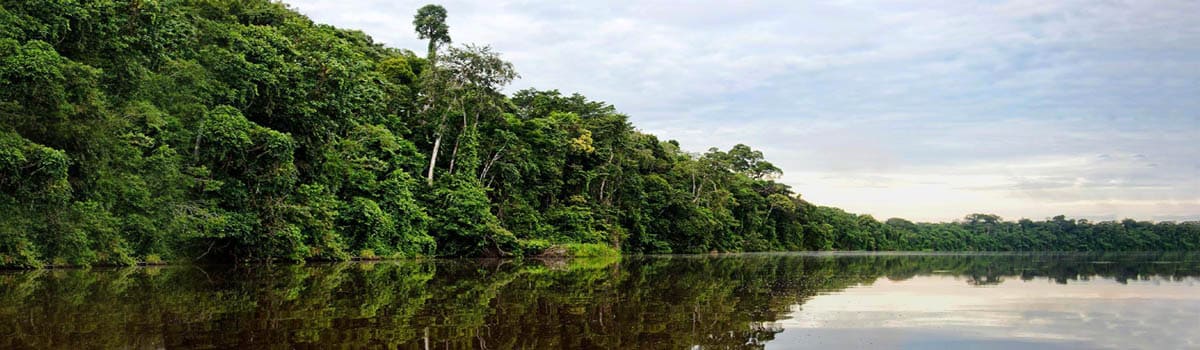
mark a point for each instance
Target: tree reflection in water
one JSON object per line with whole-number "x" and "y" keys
{"x": 635, "y": 302}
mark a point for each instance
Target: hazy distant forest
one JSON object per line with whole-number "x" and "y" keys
{"x": 239, "y": 130}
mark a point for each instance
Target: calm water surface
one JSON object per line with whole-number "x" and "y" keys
{"x": 773, "y": 301}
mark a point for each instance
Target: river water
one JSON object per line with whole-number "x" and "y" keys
{"x": 772, "y": 301}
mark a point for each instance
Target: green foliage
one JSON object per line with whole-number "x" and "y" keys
{"x": 154, "y": 259}
{"x": 462, "y": 223}
{"x": 242, "y": 131}
{"x": 430, "y": 23}
{"x": 590, "y": 250}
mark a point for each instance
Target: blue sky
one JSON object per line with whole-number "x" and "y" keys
{"x": 927, "y": 110}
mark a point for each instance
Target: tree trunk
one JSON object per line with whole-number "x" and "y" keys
{"x": 489, "y": 164}
{"x": 602, "y": 183}
{"x": 461, "y": 132}
{"x": 454, "y": 153}
{"x": 767, "y": 218}
{"x": 437, "y": 143}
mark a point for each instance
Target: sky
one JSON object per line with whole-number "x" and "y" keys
{"x": 927, "y": 110}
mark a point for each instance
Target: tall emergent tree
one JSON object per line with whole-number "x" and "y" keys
{"x": 430, "y": 23}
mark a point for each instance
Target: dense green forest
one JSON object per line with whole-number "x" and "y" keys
{"x": 239, "y": 130}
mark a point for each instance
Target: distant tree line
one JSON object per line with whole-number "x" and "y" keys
{"x": 986, "y": 232}
{"x": 135, "y": 130}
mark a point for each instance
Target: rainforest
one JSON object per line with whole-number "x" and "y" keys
{"x": 136, "y": 131}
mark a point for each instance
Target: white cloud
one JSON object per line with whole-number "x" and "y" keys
{"x": 928, "y": 110}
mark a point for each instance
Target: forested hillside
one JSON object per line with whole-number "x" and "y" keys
{"x": 231, "y": 130}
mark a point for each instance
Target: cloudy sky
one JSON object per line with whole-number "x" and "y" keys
{"x": 926, "y": 109}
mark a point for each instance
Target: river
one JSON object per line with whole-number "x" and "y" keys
{"x": 772, "y": 301}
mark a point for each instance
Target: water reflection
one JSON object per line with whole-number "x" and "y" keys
{"x": 939, "y": 311}
{"x": 743, "y": 301}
